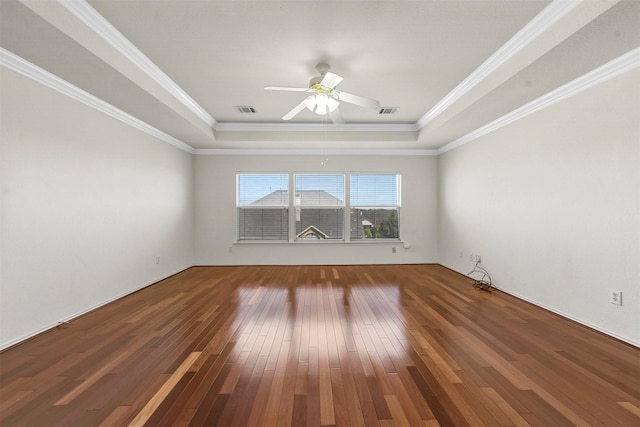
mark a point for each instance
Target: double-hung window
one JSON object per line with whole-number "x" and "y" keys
{"x": 319, "y": 206}
{"x": 263, "y": 206}
{"x": 375, "y": 206}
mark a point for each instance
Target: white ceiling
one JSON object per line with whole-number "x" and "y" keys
{"x": 449, "y": 66}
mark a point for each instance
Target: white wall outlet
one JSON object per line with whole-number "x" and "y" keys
{"x": 615, "y": 297}
{"x": 157, "y": 259}
{"x": 393, "y": 250}
{"x": 472, "y": 256}
{"x": 230, "y": 248}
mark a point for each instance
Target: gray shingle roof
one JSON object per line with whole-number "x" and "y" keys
{"x": 303, "y": 198}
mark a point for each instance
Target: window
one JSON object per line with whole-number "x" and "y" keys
{"x": 375, "y": 205}
{"x": 319, "y": 206}
{"x": 313, "y": 206}
{"x": 263, "y": 206}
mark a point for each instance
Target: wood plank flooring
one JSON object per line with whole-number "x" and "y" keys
{"x": 408, "y": 345}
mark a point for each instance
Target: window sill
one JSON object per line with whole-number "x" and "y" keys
{"x": 321, "y": 242}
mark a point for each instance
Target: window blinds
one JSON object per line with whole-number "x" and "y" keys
{"x": 263, "y": 206}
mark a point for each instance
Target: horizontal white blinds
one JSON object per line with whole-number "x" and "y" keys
{"x": 263, "y": 189}
{"x": 319, "y": 205}
{"x": 375, "y": 190}
{"x": 319, "y": 190}
{"x": 263, "y": 206}
{"x": 375, "y": 205}
{"x": 318, "y": 202}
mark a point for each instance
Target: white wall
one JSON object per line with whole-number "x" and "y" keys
{"x": 215, "y": 212}
{"x": 87, "y": 204}
{"x": 551, "y": 203}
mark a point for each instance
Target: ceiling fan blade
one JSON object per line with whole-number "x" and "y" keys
{"x": 294, "y": 112}
{"x": 336, "y": 117}
{"x": 359, "y": 100}
{"x": 330, "y": 80}
{"x": 291, "y": 89}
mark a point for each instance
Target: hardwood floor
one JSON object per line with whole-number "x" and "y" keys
{"x": 320, "y": 345}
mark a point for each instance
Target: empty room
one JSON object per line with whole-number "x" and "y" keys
{"x": 319, "y": 213}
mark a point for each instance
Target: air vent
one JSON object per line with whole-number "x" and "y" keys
{"x": 245, "y": 109}
{"x": 388, "y": 110}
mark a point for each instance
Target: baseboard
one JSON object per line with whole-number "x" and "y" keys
{"x": 570, "y": 317}
{"x": 66, "y": 319}
{"x": 560, "y": 313}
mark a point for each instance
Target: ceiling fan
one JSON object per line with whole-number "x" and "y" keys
{"x": 324, "y": 98}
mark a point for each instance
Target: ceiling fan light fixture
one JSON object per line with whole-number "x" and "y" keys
{"x": 322, "y": 110}
{"x": 310, "y": 102}
{"x": 332, "y": 104}
{"x": 321, "y": 104}
{"x": 322, "y": 100}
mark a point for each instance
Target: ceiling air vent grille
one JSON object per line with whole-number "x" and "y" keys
{"x": 388, "y": 110}
{"x": 245, "y": 109}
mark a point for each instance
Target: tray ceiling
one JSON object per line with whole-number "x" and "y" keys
{"x": 450, "y": 67}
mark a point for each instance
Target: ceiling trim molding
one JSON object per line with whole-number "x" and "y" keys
{"x": 316, "y": 127}
{"x": 312, "y": 152}
{"x": 96, "y": 22}
{"x": 32, "y": 71}
{"x": 537, "y": 26}
{"x": 616, "y": 67}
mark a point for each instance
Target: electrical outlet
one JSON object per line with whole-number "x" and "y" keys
{"x": 478, "y": 258}
{"x": 393, "y": 250}
{"x": 615, "y": 297}
{"x": 230, "y": 248}
{"x": 157, "y": 259}
{"x": 472, "y": 256}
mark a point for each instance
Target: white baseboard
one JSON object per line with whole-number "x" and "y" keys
{"x": 86, "y": 310}
{"x": 559, "y": 313}
{"x": 569, "y": 316}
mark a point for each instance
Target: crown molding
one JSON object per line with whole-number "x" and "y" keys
{"x": 620, "y": 65}
{"x": 537, "y": 26}
{"x": 96, "y": 22}
{"x": 27, "y": 69}
{"x": 316, "y": 127}
{"x": 312, "y": 152}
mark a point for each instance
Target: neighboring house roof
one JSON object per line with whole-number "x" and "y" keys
{"x": 276, "y": 198}
{"x": 311, "y": 232}
{"x": 303, "y": 198}
{"x": 316, "y": 198}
